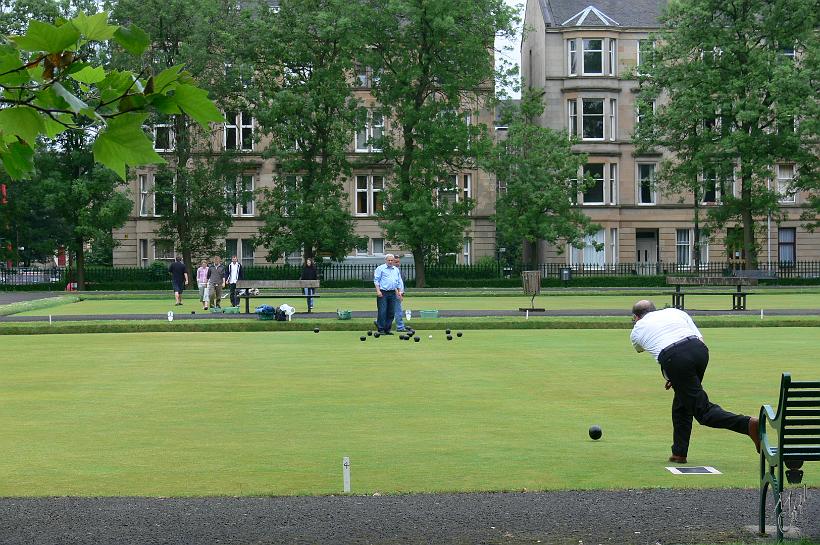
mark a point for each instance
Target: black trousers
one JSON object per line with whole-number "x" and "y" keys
{"x": 684, "y": 365}
{"x": 234, "y": 296}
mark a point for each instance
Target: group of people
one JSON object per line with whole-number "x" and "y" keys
{"x": 211, "y": 279}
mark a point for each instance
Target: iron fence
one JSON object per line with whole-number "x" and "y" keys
{"x": 60, "y": 276}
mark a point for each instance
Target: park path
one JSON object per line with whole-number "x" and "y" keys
{"x": 652, "y": 517}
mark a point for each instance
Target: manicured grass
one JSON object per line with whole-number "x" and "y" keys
{"x": 170, "y": 414}
{"x": 764, "y": 300}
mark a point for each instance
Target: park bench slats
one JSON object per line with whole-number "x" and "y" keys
{"x": 273, "y": 290}
{"x": 738, "y": 296}
{"x": 794, "y": 436}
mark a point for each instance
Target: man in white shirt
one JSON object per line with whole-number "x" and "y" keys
{"x": 672, "y": 338}
{"x": 234, "y": 275}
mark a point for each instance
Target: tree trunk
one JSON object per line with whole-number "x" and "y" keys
{"x": 748, "y": 226}
{"x": 418, "y": 260}
{"x": 80, "y": 265}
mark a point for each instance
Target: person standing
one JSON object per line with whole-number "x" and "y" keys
{"x": 179, "y": 278}
{"x": 399, "y": 300}
{"x": 389, "y": 289}
{"x": 216, "y": 281}
{"x": 672, "y": 338}
{"x": 234, "y": 275}
{"x": 202, "y": 283}
{"x": 309, "y": 272}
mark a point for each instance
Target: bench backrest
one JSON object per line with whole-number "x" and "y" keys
{"x": 799, "y": 434}
{"x": 278, "y": 284}
{"x": 754, "y": 273}
{"x": 710, "y": 281}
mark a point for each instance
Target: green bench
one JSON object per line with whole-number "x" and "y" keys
{"x": 738, "y": 295}
{"x": 788, "y": 438}
{"x": 274, "y": 289}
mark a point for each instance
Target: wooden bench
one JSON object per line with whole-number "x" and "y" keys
{"x": 738, "y": 296}
{"x": 274, "y": 289}
{"x": 796, "y": 429}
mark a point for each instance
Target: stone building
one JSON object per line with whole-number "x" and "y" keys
{"x": 581, "y": 53}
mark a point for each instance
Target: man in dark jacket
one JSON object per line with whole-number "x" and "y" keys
{"x": 179, "y": 278}
{"x": 216, "y": 281}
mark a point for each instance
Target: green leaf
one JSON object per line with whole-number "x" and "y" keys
{"x": 53, "y": 127}
{"x": 164, "y": 104}
{"x": 23, "y": 122}
{"x": 195, "y": 102}
{"x": 48, "y": 38}
{"x": 132, "y": 39}
{"x": 12, "y": 69}
{"x": 123, "y": 143}
{"x": 89, "y": 75}
{"x": 166, "y": 77}
{"x": 75, "y": 104}
{"x": 95, "y": 27}
{"x": 18, "y": 160}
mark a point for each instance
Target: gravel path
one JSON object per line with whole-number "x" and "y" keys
{"x": 616, "y": 517}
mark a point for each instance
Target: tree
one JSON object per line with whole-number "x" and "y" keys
{"x": 736, "y": 85}
{"x": 432, "y": 66}
{"x": 52, "y": 81}
{"x": 81, "y": 199}
{"x": 540, "y": 172}
{"x": 305, "y": 104}
{"x": 199, "y": 183}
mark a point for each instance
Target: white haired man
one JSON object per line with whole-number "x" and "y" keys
{"x": 389, "y": 289}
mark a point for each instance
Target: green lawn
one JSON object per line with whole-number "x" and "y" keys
{"x": 170, "y": 414}
{"x": 766, "y": 300}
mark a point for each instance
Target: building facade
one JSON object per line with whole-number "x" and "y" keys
{"x": 581, "y": 52}
{"x": 138, "y": 246}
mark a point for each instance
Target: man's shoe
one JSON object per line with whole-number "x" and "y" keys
{"x": 754, "y": 432}
{"x": 677, "y": 459}
{"x": 387, "y": 333}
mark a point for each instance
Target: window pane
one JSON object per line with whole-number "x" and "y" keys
{"x": 593, "y": 116}
{"x": 378, "y": 245}
{"x": 647, "y": 175}
{"x": 573, "y": 57}
{"x": 593, "y": 57}
{"x": 682, "y": 246}
{"x": 595, "y": 194}
{"x": 787, "y": 238}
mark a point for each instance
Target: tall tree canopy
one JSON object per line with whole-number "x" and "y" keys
{"x": 198, "y": 191}
{"x": 540, "y": 172}
{"x": 431, "y": 66}
{"x": 304, "y": 102}
{"x": 735, "y": 85}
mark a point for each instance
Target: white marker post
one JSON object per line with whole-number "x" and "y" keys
{"x": 170, "y": 316}
{"x": 761, "y": 314}
{"x": 49, "y": 319}
{"x": 528, "y": 315}
{"x": 346, "y": 474}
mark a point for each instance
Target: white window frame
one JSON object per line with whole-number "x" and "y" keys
{"x": 613, "y": 118}
{"x": 602, "y": 115}
{"x": 145, "y": 182}
{"x": 781, "y": 242}
{"x": 588, "y": 255}
{"x": 158, "y": 257}
{"x": 376, "y": 242}
{"x": 143, "y": 252}
{"x": 171, "y": 136}
{"x": 373, "y": 128}
{"x": 154, "y": 194}
{"x": 613, "y": 56}
{"x": 638, "y": 185}
{"x": 466, "y": 186}
{"x": 572, "y": 117}
{"x": 683, "y": 244}
{"x": 785, "y": 184}
{"x": 613, "y": 244}
{"x": 239, "y": 208}
{"x": 603, "y": 184}
{"x": 466, "y": 251}
{"x": 639, "y": 116}
{"x": 371, "y": 192}
{"x": 613, "y": 183}
{"x": 239, "y": 122}
{"x": 640, "y": 60}
{"x": 584, "y": 51}
{"x": 572, "y": 57}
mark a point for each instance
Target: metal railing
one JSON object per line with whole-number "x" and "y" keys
{"x": 58, "y": 277}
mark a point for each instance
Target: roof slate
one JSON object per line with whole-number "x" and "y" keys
{"x": 628, "y": 13}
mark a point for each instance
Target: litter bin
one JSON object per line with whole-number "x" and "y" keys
{"x": 532, "y": 282}
{"x": 566, "y": 274}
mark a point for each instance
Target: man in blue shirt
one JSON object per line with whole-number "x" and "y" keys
{"x": 389, "y": 289}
